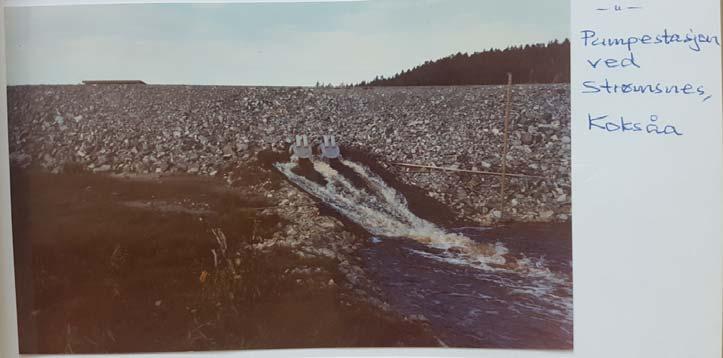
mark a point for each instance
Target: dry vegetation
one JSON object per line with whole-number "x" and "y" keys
{"x": 120, "y": 278}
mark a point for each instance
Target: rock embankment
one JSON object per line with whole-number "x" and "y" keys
{"x": 209, "y": 130}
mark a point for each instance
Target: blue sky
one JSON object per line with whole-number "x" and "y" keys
{"x": 291, "y": 44}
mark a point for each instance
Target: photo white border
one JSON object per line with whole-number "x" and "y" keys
{"x": 591, "y": 339}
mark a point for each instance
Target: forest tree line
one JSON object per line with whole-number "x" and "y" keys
{"x": 538, "y": 63}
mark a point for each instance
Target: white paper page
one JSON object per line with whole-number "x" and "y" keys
{"x": 8, "y": 328}
{"x": 646, "y": 207}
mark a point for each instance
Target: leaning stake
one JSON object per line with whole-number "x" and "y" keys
{"x": 503, "y": 178}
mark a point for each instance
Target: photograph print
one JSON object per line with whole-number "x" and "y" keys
{"x": 382, "y": 173}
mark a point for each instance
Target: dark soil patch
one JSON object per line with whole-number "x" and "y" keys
{"x": 94, "y": 275}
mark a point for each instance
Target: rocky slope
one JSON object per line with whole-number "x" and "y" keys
{"x": 209, "y": 130}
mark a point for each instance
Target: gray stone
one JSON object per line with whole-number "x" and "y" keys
{"x": 228, "y": 151}
{"x": 496, "y": 214}
{"x": 103, "y": 168}
{"x": 526, "y": 138}
{"x": 547, "y": 214}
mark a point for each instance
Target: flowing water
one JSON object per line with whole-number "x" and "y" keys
{"x": 476, "y": 287}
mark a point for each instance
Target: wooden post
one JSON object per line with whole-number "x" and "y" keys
{"x": 503, "y": 177}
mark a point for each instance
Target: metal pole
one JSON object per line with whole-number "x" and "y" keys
{"x": 410, "y": 165}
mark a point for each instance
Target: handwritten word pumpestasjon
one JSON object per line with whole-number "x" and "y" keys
{"x": 695, "y": 41}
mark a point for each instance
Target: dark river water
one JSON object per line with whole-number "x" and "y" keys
{"x": 471, "y": 307}
{"x": 502, "y": 287}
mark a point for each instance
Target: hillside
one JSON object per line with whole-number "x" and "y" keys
{"x": 538, "y": 63}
